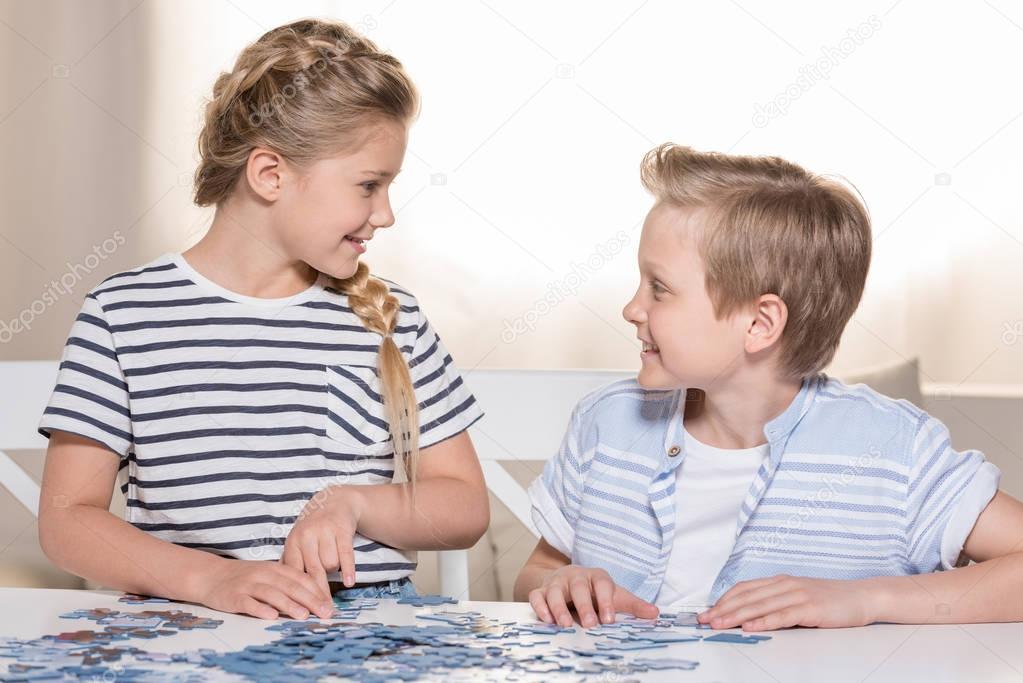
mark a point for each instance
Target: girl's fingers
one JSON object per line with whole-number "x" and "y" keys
{"x": 280, "y": 601}
{"x": 311, "y": 559}
{"x": 292, "y": 556}
{"x": 307, "y": 593}
{"x": 555, "y": 597}
{"x": 346, "y": 558}
{"x": 540, "y": 606}
{"x": 740, "y": 602}
{"x": 582, "y": 598}
{"x": 260, "y": 610}
{"x": 328, "y": 551}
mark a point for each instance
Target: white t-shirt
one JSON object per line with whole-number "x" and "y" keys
{"x": 710, "y": 485}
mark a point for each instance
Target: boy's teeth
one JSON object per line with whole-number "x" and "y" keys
{"x": 647, "y": 346}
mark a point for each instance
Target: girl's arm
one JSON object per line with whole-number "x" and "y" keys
{"x": 450, "y": 510}
{"x": 78, "y": 533}
{"x": 989, "y": 591}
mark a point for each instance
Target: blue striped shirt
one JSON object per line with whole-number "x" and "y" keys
{"x": 856, "y": 485}
{"x": 230, "y": 412}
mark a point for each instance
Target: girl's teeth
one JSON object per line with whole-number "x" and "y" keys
{"x": 649, "y": 347}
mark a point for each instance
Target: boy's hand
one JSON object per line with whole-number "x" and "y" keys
{"x": 584, "y": 587}
{"x": 782, "y": 601}
{"x": 321, "y": 539}
{"x": 262, "y": 589}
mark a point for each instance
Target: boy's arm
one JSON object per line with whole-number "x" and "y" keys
{"x": 78, "y": 533}
{"x": 989, "y": 591}
{"x": 544, "y": 560}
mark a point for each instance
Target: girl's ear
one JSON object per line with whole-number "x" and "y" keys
{"x": 770, "y": 314}
{"x": 264, "y": 171}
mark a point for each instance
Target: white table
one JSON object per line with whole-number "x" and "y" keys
{"x": 882, "y": 652}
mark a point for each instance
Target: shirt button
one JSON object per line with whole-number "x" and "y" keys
{"x": 673, "y": 451}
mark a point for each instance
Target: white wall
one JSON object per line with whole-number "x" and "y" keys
{"x": 525, "y": 159}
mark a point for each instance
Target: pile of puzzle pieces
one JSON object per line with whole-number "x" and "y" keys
{"x": 448, "y": 644}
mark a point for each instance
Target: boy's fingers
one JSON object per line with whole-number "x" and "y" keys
{"x": 555, "y": 598}
{"x": 755, "y": 610}
{"x": 604, "y": 591}
{"x": 540, "y": 605}
{"x": 746, "y": 597}
{"x": 624, "y": 601}
{"x": 582, "y": 598}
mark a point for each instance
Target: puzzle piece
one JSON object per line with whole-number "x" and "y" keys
{"x": 737, "y": 638}
{"x": 427, "y": 600}
{"x": 136, "y": 599}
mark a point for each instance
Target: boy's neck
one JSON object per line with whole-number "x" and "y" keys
{"x": 733, "y": 415}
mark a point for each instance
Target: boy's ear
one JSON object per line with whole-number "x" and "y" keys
{"x": 263, "y": 171}
{"x": 770, "y": 314}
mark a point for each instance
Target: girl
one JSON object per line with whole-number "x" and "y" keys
{"x": 265, "y": 396}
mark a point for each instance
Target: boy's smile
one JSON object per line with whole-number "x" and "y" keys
{"x": 684, "y": 343}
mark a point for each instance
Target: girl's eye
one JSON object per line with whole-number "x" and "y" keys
{"x": 656, "y": 287}
{"x": 369, "y": 186}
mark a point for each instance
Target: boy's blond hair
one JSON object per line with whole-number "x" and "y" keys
{"x": 772, "y": 228}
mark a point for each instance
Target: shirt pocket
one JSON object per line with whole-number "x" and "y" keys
{"x": 355, "y": 410}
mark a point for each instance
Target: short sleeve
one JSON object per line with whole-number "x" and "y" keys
{"x": 556, "y": 494}
{"x": 91, "y": 396}
{"x": 947, "y": 491}
{"x": 446, "y": 406}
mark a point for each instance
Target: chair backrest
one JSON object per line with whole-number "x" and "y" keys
{"x": 25, "y": 388}
{"x": 527, "y": 411}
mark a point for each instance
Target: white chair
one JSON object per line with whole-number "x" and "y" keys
{"x": 526, "y": 415}
{"x": 25, "y": 388}
{"x": 527, "y": 412}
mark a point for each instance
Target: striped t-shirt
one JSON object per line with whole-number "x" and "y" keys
{"x": 230, "y": 412}
{"x": 855, "y": 485}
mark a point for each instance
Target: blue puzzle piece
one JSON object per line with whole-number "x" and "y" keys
{"x": 427, "y": 600}
{"x": 737, "y": 638}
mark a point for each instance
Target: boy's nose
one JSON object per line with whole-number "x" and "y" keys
{"x": 634, "y": 313}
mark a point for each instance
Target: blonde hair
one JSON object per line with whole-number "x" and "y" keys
{"x": 772, "y": 228}
{"x": 309, "y": 90}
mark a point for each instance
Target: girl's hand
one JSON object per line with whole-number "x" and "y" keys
{"x": 262, "y": 589}
{"x": 321, "y": 539}
{"x": 582, "y": 587}
{"x": 782, "y": 601}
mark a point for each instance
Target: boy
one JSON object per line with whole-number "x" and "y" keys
{"x": 733, "y": 473}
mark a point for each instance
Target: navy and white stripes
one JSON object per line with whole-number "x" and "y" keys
{"x": 230, "y": 412}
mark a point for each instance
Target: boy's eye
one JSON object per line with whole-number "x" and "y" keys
{"x": 656, "y": 287}
{"x": 370, "y": 185}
